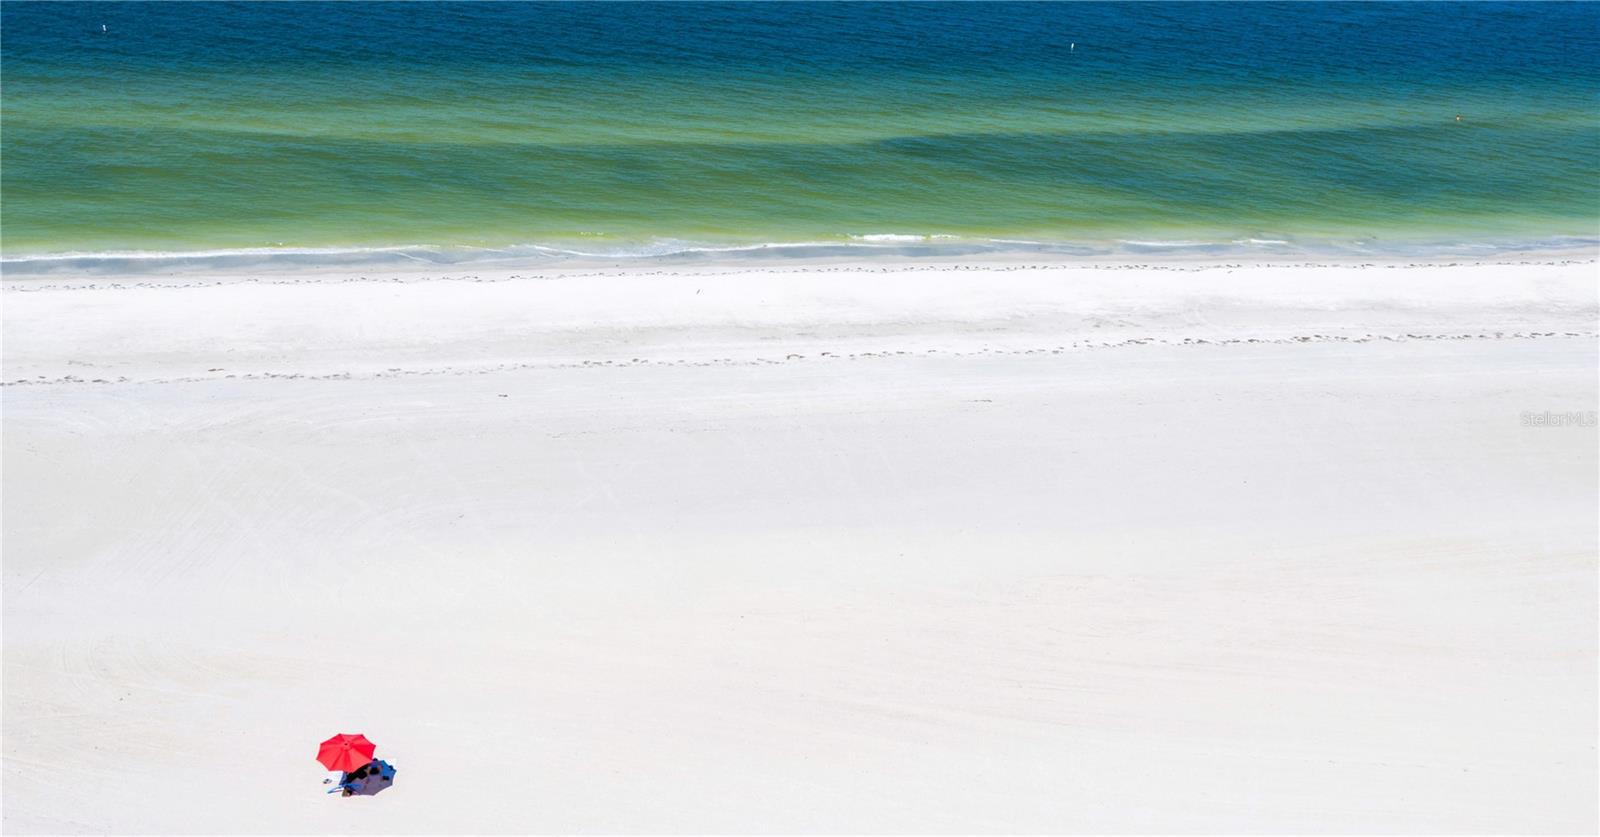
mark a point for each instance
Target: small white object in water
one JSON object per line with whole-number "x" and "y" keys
{"x": 1073, "y": 47}
{"x": 102, "y": 27}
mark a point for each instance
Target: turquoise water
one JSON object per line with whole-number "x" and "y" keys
{"x": 654, "y": 128}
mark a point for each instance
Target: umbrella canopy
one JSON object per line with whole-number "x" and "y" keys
{"x": 346, "y": 752}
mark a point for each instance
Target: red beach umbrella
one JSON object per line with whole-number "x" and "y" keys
{"x": 345, "y": 752}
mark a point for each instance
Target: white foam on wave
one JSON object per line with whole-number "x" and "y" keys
{"x": 889, "y": 237}
{"x": 1165, "y": 243}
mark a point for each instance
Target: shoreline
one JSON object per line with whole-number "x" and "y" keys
{"x": 500, "y": 271}
{"x": 786, "y": 255}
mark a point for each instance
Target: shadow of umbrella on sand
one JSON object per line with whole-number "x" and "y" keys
{"x": 371, "y": 780}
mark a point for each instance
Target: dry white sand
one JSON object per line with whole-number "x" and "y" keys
{"x": 821, "y": 548}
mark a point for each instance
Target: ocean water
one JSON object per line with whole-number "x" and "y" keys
{"x": 464, "y": 130}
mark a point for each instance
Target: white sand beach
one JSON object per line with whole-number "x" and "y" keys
{"x": 958, "y": 547}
